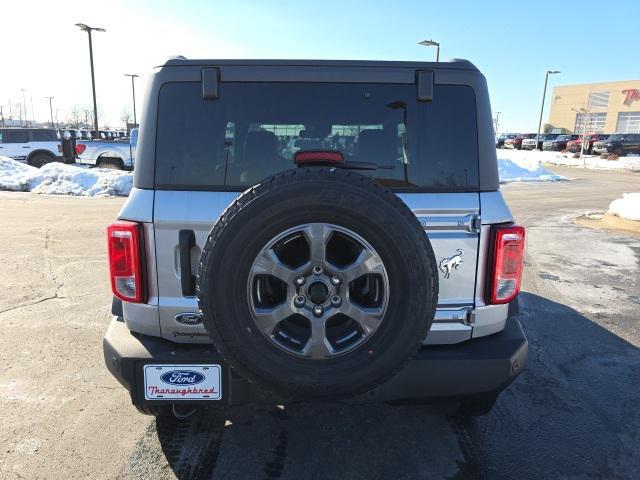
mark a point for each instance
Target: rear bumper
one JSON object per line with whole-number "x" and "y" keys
{"x": 484, "y": 365}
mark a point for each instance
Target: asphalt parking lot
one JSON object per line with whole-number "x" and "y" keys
{"x": 573, "y": 413}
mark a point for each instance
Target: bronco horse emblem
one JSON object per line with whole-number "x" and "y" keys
{"x": 448, "y": 264}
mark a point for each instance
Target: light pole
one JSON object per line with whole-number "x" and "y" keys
{"x": 24, "y": 107}
{"x": 544, "y": 94}
{"x": 431, "y": 43}
{"x": 51, "y": 109}
{"x": 89, "y": 29}
{"x": 133, "y": 90}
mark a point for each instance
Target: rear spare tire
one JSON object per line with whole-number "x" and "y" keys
{"x": 317, "y": 283}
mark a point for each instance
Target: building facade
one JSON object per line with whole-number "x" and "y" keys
{"x": 607, "y": 107}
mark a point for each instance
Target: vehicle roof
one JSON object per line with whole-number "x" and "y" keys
{"x": 455, "y": 63}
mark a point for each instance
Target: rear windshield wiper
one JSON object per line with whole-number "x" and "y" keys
{"x": 364, "y": 166}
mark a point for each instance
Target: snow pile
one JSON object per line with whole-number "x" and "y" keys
{"x": 60, "y": 179}
{"x": 626, "y": 207}
{"x": 18, "y": 177}
{"x": 523, "y": 166}
{"x": 630, "y": 162}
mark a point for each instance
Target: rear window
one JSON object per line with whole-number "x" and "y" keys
{"x": 254, "y": 130}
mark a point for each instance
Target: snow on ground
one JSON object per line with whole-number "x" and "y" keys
{"x": 630, "y": 162}
{"x": 60, "y": 179}
{"x": 626, "y": 207}
{"x": 523, "y": 166}
{"x": 17, "y": 176}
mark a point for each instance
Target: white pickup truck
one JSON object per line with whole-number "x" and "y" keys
{"x": 118, "y": 154}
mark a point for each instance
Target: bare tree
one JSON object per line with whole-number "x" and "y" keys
{"x": 76, "y": 113}
{"x": 126, "y": 116}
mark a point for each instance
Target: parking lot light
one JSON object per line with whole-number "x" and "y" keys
{"x": 89, "y": 29}
{"x": 544, "y": 93}
{"x": 431, "y": 43}
{"x": 133, "y": 90}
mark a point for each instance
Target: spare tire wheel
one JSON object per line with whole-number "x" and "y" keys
{"x": 317, "y": 283}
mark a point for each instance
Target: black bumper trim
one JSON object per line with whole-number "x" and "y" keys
{"x": 484, "y": 365}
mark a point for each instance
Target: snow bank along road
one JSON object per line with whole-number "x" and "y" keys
{"x": 60, "y": 179}
{"x": 571, "y": 414}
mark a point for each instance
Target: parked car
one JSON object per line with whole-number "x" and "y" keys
{"x": 502, "y": 138}
{"x": 119, "y": 154}
{"x": 508, "y": 142}
{"x": 516, "y": 142}
{"x": 576, "y": 146}
{"x": 619, "y": 144}
{"x": 530, "y": 143}
{"x": 322, "y": 279}
{"x": 35, "y": 146}
{"x": 559, "y": 143}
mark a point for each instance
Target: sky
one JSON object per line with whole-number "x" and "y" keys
{"x": 512, "y": 43}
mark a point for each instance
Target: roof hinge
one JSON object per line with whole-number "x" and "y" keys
{"x": 424, "y": 80}
{"x": 210, "y": 81}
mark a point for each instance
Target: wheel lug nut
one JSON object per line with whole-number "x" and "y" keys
{"x": 336, "y": 301}
{"x": 299, "y": 301}
{"x": 318, "y": 311}
{"x": 300, "y": 281}
{"x": 317, "y": 270}
{"x": 336, "y": 280}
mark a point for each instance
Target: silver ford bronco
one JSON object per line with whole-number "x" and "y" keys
{"x": 315, "y": 231}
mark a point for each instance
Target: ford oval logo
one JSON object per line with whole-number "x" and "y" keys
{"x": 189, "y": 318}
{"x": 182, "y": 377}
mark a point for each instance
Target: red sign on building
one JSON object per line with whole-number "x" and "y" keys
{"x": 631, "y": 95}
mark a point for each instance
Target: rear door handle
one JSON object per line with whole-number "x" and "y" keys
{"x": 186, "y": 241}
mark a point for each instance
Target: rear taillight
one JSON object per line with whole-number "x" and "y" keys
{"x": 508, "y": 256}
{"x": 125, "y": 261}
{"x": 80, "y": 148}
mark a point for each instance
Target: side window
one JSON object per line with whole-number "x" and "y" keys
{"x": 189, "y": 147}
{"x": 16, "y": 136}
{"x": 446, "y": 141}
{"x": 43, "y": 135}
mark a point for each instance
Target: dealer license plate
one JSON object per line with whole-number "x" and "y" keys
{"x": 182, "y": 382}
